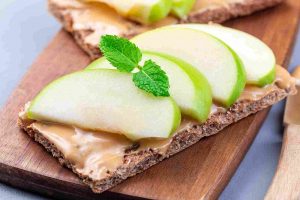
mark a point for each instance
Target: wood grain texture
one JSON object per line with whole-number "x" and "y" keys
{"x": 286, "y": 182}
{"x": 199, "y": 172}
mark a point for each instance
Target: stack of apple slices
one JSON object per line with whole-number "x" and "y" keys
{"x": 204, "y": 63}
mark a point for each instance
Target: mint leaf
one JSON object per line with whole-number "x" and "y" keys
{"x": 125, "y": 56}
{"x": 152, "y": 79}
{"x": 120, "y": 52}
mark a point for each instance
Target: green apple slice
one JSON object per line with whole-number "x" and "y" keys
{"x": 181, "y": 8}
{"x": 188, "y": 87}
{"x": 145, "y": 12}
{"x": 258, "y": 59}
{"x": 212, "y": 57}
{"x": 106, "y": 100}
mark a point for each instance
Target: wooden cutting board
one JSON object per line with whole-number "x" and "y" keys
{"x": 200, "y": 172}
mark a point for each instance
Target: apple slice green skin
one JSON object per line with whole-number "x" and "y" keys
{"x": 181, "y": 8}
{"x": 220, "y": 65}
{"x": 159, "y": 11}
{"x": 258, "y": 59}
{"x": 145, "y": 15}
{"x": 265, "y": 80}
{"x": 105, "y": 100}
{"x": 194, "y": 100}
{"x": 203, "y": 96}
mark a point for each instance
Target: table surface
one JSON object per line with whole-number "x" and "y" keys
{"x": 26, "y": 28}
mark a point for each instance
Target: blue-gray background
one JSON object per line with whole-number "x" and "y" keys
{"x": 26, "y": 28}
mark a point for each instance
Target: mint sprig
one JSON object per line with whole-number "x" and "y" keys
{"x": 120, "y": 52}
{"x": 152, "y": 79}
{"x": 126, "y": 56}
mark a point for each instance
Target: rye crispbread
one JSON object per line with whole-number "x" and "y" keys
{"x": 70, "y": 12}
{"x": 136, "y": 161}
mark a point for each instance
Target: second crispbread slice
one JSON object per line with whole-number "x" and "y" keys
{"x": 87, "y": 22}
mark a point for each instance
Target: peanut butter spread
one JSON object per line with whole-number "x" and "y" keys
{"x": 96, "y": 154}
{"x": 95, "y": 18}
{"x": 253, "y": 93}
{"x": 283, "y": 80}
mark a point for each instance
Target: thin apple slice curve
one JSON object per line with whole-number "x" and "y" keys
{"x": 145, "y": 12}
{"x": 258, "y": 59}
{"x": 212, "y": 57}
{"x": 188, "y": 87}
{"x": 106, "y": 100}
{"x": 181, "y": 8}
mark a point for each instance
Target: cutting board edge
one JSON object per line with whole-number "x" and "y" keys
{"x": 21, "y": 182}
